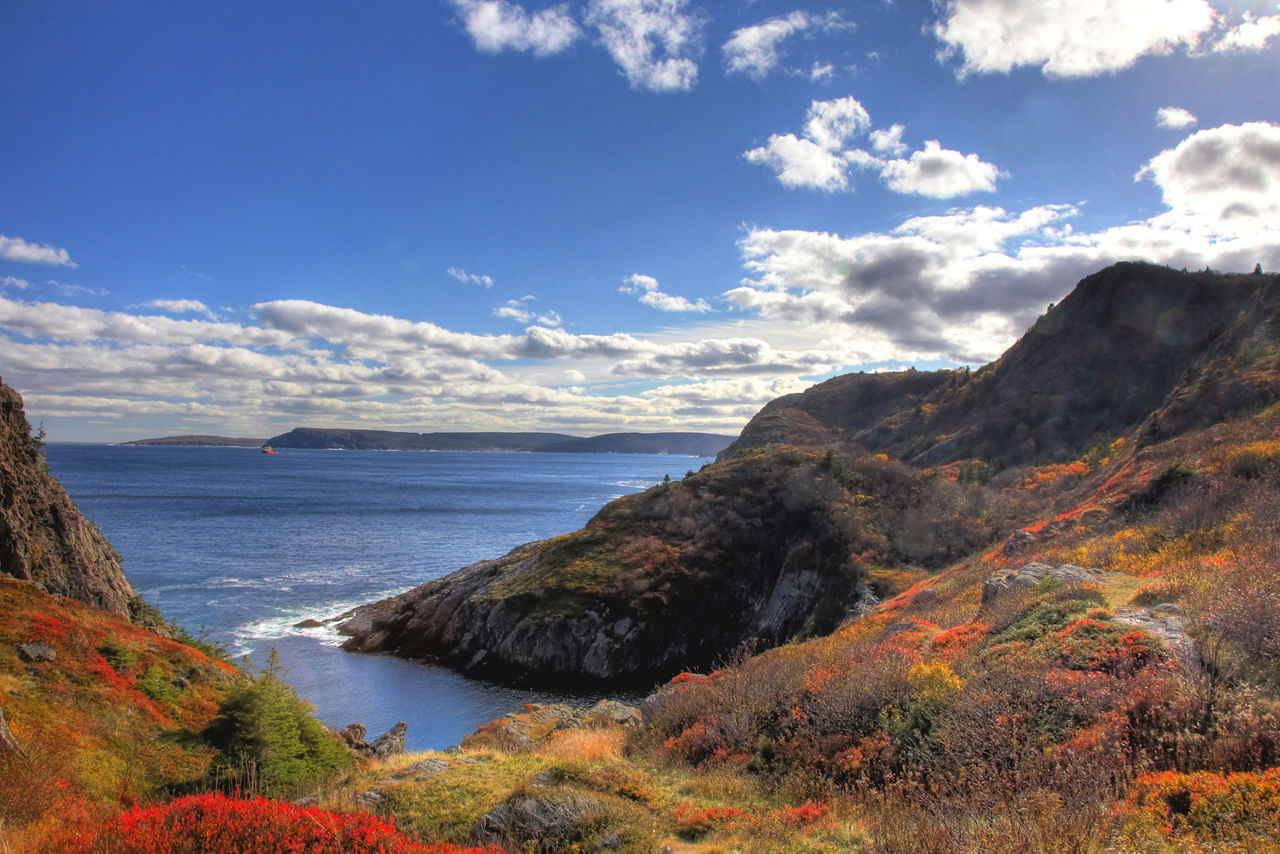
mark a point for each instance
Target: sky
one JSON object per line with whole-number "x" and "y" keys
{"x": 593, "y": 216}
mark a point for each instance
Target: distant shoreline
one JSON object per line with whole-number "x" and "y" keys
{"x": 309, "y": 438}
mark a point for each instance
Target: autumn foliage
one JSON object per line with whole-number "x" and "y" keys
{"x": 217, "y": 824}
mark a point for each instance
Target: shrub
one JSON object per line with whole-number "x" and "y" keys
{"x": 215, "y": 823}
{"x": 119, "y": 656}
{"x": 156, "y": 685}
{"x": 268, "y": 739}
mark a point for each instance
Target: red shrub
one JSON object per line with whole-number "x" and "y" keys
{"x": 216, "y": 823}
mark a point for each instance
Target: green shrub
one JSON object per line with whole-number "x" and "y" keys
{"x": 156, "y": 685}
{"x": 119, "y": 656}
{"x": 268, "y": 739}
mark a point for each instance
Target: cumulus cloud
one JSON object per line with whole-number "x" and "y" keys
{"x": 301, "y": 362}
{"x": 831, "y": 124}
{"x": 802, "y": 163}
{"x": 496, "y": 25}
{"x": 1252, "y": 34}
{"x": 756, "y": 51}
{"x": 1067, "y": 38}
{"x": 470, "y": 278}
{"x": 17, "y": 249}
{"x": 1174, "y": 118}
{"x": 963, "y": 285}
{"x": 888, "y": 140}
{"x": 939, "y": 173}
{"x": 820, "y": 160}
{"x": 1229, "y": 175}
{"x": 14, "y": 282}
{"x": 181, "y": 306}
{"x": 655, "y": 42}
{"x": 646, "y": 287}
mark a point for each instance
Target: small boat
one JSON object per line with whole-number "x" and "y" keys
{"x": 267, "y": 449}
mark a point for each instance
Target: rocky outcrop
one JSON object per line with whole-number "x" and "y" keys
{"x": 390, "y": 743}
{"x": 43, "y": 537}
{"x": 1033, "y": 573}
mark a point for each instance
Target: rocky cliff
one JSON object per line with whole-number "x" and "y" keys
{"x": 43, "y": 537}
{"x": 753, "y": 551}
{"x": 863, "y": 473}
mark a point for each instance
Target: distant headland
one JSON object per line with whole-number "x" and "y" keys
{"x": 686, "y": 444}
{"x": 202, "y": 440}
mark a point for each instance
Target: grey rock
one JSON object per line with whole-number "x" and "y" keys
{"x": 390, "y": 743}
{"x": 36, "y": 652}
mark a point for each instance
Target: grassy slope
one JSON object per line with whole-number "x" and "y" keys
{"x": 96, "y": 735}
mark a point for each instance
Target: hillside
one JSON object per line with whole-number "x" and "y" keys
{"x": 827, "y": 490}
{"x": 1076, "y": 645}
{"x": 108, "y": 712}
{"x": 1128, "y": 342}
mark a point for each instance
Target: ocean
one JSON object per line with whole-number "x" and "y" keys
{"x": 243, "y": 546}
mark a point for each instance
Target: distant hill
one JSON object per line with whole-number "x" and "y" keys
{"x": 691, "y": 444}
{"x": 201, "y": 441}
{"x": 694, "y": 444}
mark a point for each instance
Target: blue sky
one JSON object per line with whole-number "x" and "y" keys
{"x": 593, "y": 216}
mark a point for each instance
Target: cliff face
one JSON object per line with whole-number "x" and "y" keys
{"x": 863, "y": 472}
{"x": 43, "y": 537}
{"x": 757, "y": 550}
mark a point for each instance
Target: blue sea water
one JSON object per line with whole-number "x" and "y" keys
{"x": 244, "y": 545}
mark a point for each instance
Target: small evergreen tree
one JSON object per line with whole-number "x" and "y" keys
{"x": 268, "y": 739}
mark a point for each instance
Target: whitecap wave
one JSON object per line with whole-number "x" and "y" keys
{"x": 247, "y": 637}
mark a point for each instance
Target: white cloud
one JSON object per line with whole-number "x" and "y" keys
{"x": 13, "y": 282}
{"x": 181, "y": 306}
{"x": 963, "y": 285}
{"x": 817, "y": 161}
{"x": 1173, "y": 118}
{"x": 832, "y": 123}
{"x": 470, "y": 278}
{"x": 888, "y": 141}
{"x": 756, "y": 51}
{"x": 821, "y": 71}
{"x": 802, "y": 163}
{"x": 1229, "y": 175}
{"x": 646, "y": 287}
{"x": 654, "y": 42}
{"x": 517, "y": 310}
{"x": 496, "y": 25}
{"x": 1252, "y": 34}
{"x": 940, "y": 173}
{"x": 17, "y": 249}
{"x": 1067, "y": 38}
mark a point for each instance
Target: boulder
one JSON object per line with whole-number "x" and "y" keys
{"x": 390, "y": 743}
{"x": 1032, "y": 574}
{"x": 36, "y": 652}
